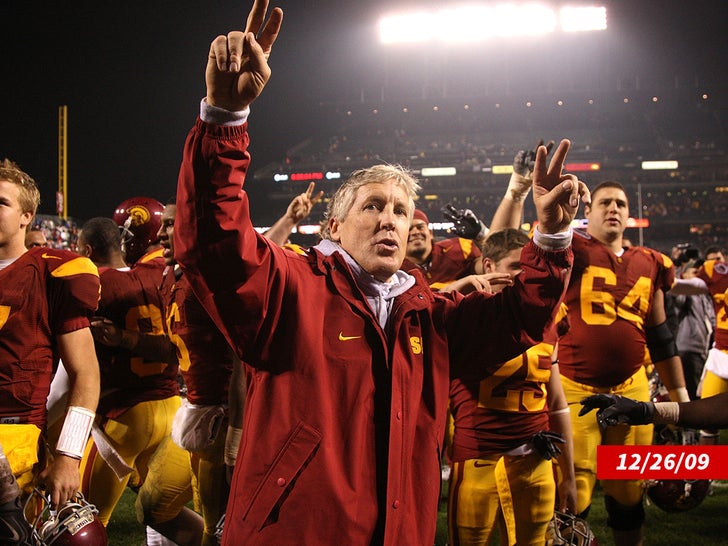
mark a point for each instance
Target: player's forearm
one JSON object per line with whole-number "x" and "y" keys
{"x": 79, "y": 359}
{"x": 671, "y": 374}
{"x": 689, "y": 287}
{"x": 507, "y": 215}
{"x": 708, "y": 413}
{"x": 157, "y": 348}
{"x": 560, "y": 421}
{"x": 281, "y": 230}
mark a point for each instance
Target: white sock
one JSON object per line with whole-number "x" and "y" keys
{"x": 156, "y": 539}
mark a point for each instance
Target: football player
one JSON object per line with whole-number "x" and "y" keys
{"x": 442, "y": 262}
{"x": 206, "y": 362}
{"x": 502, "y": 447}
{"x": 35, "y": 238}
{"x": 140, "y": 391}
{"x": 139, "y": 219}
{"x": 712, "y": 279}
{"x": 615, "y": 311}
{"x": 47, "y": 298}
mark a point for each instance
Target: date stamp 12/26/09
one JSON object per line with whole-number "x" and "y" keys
{"x": 662, "y": 462}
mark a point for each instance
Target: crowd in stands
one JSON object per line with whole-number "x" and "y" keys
{"x": 61, "y": 233}
{"x": 683, "y": 205}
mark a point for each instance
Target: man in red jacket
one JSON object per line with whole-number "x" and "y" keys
{"x": 351, "y": 357}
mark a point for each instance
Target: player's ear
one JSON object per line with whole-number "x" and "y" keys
{"x": 25, "y": 219}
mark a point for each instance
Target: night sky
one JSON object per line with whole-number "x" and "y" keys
{"x": 131, "y": 74}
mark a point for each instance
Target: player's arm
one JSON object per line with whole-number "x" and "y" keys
{"x": 689, "y": 287}
{"x": 560, "y": 421}
{"x": 297, "y": 211}
{"x": 708, "y": 413}
{"x": 154, "y": 347}
{"x": 481, "y": 283}
{"x": 61, "y": 478}
{"x": 663, "y": 350}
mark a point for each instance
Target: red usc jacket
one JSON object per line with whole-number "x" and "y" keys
{"x": 343, "y": 421}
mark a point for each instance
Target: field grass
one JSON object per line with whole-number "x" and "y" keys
{"x": 123, "y": 529}
{"x": 706, "y": 524}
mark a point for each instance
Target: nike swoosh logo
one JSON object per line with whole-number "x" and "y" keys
{"x": 45, "y": 255}
{"x": 342, "y": 337}
{"x": 478, "y": 464}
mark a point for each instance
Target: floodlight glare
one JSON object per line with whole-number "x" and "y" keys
{"x": 479, "y": 22}
{"x": 413, "y": 27}
{"x": 659, "y": 165}
{"x": 438, "y": 171}
{"x": 583, "y": 18}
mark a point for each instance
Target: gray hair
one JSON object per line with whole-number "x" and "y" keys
{"x": 342, "y": 201}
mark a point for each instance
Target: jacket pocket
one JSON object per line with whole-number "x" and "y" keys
{"x": 278, "y": 482}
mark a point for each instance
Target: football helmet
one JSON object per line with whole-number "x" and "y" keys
{"x": 74, "y": 524}
{"x": 676, "y": 495}
{"x": 140, "y": 219}
{"x": 568, "y": 529}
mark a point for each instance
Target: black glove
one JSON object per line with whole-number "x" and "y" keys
{"x": 545, "y": 443}
{"x": 467, "y": 225}
{"x": 525, "y": 160}
{"x": 615, "y": 410}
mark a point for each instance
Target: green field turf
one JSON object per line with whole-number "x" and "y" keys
{"x": 706, "y": 524}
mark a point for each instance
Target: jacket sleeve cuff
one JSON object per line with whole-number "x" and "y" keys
{"x": 219, "y": 116}
{"x": 552, "y": 241}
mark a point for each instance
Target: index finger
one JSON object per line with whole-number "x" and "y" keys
{"x": 256, "y": 16}
{"x": 539, "y": 164}
{"x": 310, "y": 189}
{"x": 557, "y": 160}
{"x": 267, "y": 36}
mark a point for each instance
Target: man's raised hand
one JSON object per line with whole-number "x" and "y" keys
{"x": 237, "y": 66}
{"x": 555, "y": 194}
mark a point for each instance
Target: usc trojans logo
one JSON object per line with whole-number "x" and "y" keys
{"x": 416, "y": 344}
{"x": 138, "y": 215}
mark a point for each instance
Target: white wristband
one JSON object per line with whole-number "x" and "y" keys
{"x": 679, "y": 394}
{"x": 552, "y": 241}
{"x": 232, "y": 443}
{"x": 76, "y": 428}
{"x": 559, "y": 411}
{"x": 518, "y": 188}
{"x": 666, "y": 413}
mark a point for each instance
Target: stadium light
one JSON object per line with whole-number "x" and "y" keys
{"x": 583, "y": 18}
{"x": 479, "y": 22}
{"x": 438, "y": 171}
{"x": 582, "y": 167}
{"x": 502, "y": 169}
{"x": 659, "y": 165}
